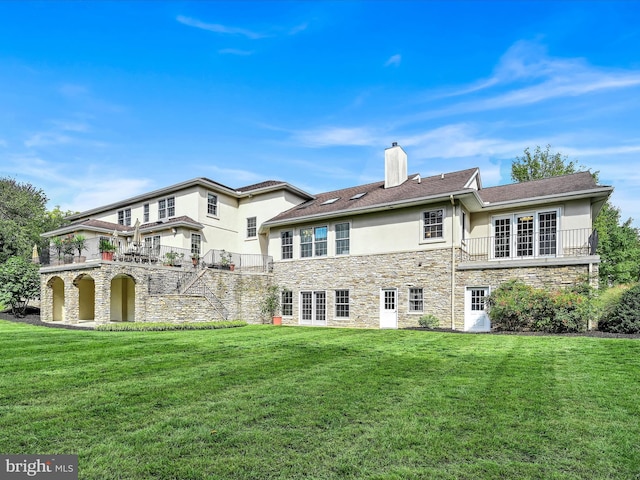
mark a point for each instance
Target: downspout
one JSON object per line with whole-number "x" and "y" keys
{"x": 453, "y": 263}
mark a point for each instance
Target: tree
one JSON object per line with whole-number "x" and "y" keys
{"x": 542, "y": 164}
{"x": 19, "y": 283}
{"x": 22, "y": 211}
{"x": 618, "y": 247}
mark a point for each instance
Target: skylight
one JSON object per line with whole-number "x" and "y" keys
{"x": 358, "y": 195}
{"x": 330, "y": 201}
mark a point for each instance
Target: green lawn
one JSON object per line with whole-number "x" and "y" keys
{"x": 284, "y": 402}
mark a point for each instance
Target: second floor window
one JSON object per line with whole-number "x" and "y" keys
{"x": 124, "y": 217}
{"x": 212, "y": 204}
{"x": 145, "y": 215}
{"x": 432, "y": 224}
{"x": 286, "y": 239}
{"x": 252, "y": 224}
{"x": 167, "y": 207}
{"x": 342, "y": 239}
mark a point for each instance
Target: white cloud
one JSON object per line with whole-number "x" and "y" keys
{"x": 337, "y": 136}
{"x": 526, "y": 75}
{"x": 218, "y": 28}
{"x": 394, "y": 60}
{"x": 298, "y": 28}
{"x": 235, "y": 51}
{"x": 45, "y": 139}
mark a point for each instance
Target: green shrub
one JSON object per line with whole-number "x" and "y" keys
{"x": 515, "y": 306}
{"x": 164, "y": 326}
{"x": 625, "y": 315}
{"x": 606, "y": 300}
{"x": 429, "y": 321}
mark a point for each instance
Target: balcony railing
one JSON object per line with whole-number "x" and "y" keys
{"x": 163, "y": 255}
{"x": 531, "y": 245}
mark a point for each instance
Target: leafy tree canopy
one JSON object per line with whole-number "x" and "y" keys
{"x": 19, "y": 283}
{"x": 22, "y": 209}
{"x": 618, "y": 247}
{"x": 542, "y": 164}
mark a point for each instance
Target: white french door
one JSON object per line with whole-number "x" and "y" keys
{"x": 313, "y": 308}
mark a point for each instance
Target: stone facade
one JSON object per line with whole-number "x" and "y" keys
{"x": 109, "y": 291}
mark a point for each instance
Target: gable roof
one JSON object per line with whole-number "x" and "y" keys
{"x": 108, "y": 228}
{"x": 374, "y": 196}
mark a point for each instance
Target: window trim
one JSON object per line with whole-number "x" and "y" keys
{"x": 212, "y": 205}
{"x": 347, "y": 239}
{"x": 424, "y": 239}
{"x": 289, "y": 246}
{"x": 410, "y": 310}
{"x": 252, "y": 228}
{"x": 287, "y": 295}
{"x": 342, "y": 304}
{"x": 198, "y": 250}
{"x": 513, "y": 244}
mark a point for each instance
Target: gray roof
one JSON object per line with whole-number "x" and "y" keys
{"x": 373, "y": 195}
{"x": 573, "y": 183}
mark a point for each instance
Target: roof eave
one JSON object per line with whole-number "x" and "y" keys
{"x": 445, "y": 197}
{"x": 600, "y": 192}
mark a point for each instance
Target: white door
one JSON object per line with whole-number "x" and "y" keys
{"x": 388, "y": 308}
{"x": 475, "y": 310}
{"x": 314, "y": 308}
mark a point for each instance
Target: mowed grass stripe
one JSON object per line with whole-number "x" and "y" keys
{"x": 266, "y": 402}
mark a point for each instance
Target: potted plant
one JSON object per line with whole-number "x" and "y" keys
{"x": 68, "y": 248}
{"x": 80, "y": 244}
{"x": 173, "y": 259}
{"x": 106, "y": 249}
{"x": 271, "y": 304}
{"x": 58, "y": 245}
{"x": 225, "y": 260}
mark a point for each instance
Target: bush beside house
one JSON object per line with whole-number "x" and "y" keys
{"x": 622, "y": 316}
{"x": 515, "y": 306}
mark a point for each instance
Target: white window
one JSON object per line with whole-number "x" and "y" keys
{"x": 342, "y": 303}
{"x": 526, "y": 235}
{"x": 342, "y": 239}
{"x": 416, "y": 300}
{"x": 306, "y": 242}
{"x": 286, "y": 239}
{"x": 433, "y": 224}
{"x": 212, "y": 204}
{"x": 287, "y": 303}
{"x": 167, "y": 207}
{"x": 162, "y": 209}
{"x": 171, "y": 207}
{"x": 145, "y": 215}
{"x": 124, "y": 217}
{"x": 320, "y": 241}
{"x": 196, "y": 242}
{"x": 313, "y": 242}
{"x": 252, "y": 224}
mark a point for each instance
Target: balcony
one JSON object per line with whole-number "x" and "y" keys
{"x": 160, "y": 255}
{"x": 540, "y": 247}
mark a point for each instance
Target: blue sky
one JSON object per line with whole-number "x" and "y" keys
{"x": 100, "y": 101}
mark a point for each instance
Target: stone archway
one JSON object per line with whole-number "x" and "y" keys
{"x": 56, "y": 284}
{"x": 86, "y": 297}
{"x": 123, "y": 298}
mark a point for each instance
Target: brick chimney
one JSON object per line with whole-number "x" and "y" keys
{"x": 395, "y": 166}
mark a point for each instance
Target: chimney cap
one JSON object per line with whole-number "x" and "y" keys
{"x": 394, "y": 144}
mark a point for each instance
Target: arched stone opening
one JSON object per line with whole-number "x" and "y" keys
{"x": 123, "y": 298}
{"x": 86, "y": 297}
{"x": 56, "y": 284}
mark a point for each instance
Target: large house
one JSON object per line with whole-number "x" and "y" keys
{"x": 378, "y": 255}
